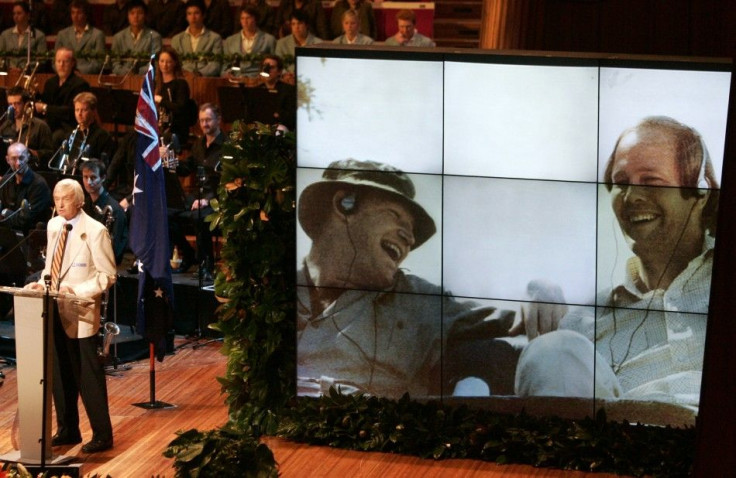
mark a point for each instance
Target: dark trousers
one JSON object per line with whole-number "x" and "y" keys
{"x": 78, "y": 371}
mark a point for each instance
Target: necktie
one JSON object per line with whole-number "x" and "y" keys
{"x": 59, "y": 256}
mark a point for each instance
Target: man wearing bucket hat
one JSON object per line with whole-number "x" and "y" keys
{"x": 364, "y": 325}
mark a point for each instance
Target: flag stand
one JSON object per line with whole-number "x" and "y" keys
{"x": 153, "y": 404}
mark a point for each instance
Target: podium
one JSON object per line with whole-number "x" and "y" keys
{"x": 34, "y": 356}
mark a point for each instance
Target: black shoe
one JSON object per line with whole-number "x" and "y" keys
{"x": 59, "y": 440}
{"x": 97, "y": 445}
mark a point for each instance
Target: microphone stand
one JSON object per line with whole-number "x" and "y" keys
{"x": 48, "y": 337}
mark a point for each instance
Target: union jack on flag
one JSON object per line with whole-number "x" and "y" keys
{"x": 146, "y": 122}
{"x": 149, "y": 227}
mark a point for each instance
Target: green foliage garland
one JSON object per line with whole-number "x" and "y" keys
{"x": 256, "y": 214}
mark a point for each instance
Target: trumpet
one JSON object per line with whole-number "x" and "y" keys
{"x": 111, "y": 329}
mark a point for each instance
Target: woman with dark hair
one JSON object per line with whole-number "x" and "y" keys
{"x": 173, "y": 97}
{"x": 312, "y": 9}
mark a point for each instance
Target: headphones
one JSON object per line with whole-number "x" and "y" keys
{"x": 347, "y": 204}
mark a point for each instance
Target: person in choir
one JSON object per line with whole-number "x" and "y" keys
{"x": 364, "y": 325}
{"x": 366, "y": 17}
{"x": 137, "y": 38}
{"x": 311, "y": 12}
{"x": 27, "y": 129}
{"x": 97, "y": 202}
{"x": 26, "y": 185}
{"x": 408, "y": 35}
{"x": 15, "y": 40}
{"x": 84, "y": 267}
{"x": 250, "y": 40}
{"x": 203, "y": 160}
{"x": 218, "y": 17}
{"x": 167, "y": 17}
{"x": 114, "y": 17}
{"x": 266, "y": 15}
{"x": 177, "y": 110}
{"x": 53, "y": 17}
{"x": 279, "y": 105}
{"x": 56, "y": 106}
{"x": 89, "y": 139}
{"x": 351, "y": 35}
{"x": 81, "y": 37}
{"x": 646, "y": 338}
{"x": 200, "y": 41}
{"x": 300, "y": 36}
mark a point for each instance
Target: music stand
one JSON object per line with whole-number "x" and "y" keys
{"x": 116, "y": 106}
{"x": 12, "y": 258}
{"x": 233, "y": 102}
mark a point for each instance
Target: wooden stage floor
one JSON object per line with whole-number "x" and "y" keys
{"x": 187, "y": 379}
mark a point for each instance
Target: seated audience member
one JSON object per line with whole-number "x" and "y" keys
{"x": 173, "y": 98}
{"x": 99, "y": 205}
{"x": 218, "y": 17}
{"x": 366, "y": 17}
{"x": 83, "y": 38}
{"x": 300, "y": 36}
{"x": 248, "y": 41}
{"x": 57, "y": 100}
{"x": 205, "y": 155}
{"x": 114, "y": 17}
{"x": 89, "y": 139}
{"x": 407, "y": 34}
{"x": 26, "y": 129}
{"x": 167, "y": 17}
{"x": 28, "y": 186}
{"x": 15, "y": 39}
{"x": 646, "y": 338}
{"x": 266, "y": 15}
{"x": 351, "y": 34}
{"x": 136, "y": 38}
{"x": 312, "y": 14}
{"x": 54, "y": 16}
{"x": 279, "y": 105}
{"x": 200, "y": 41}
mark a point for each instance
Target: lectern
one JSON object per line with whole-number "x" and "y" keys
{"x": 34, "y": 356}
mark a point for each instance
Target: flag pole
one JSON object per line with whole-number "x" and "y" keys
{"x": 153, "y": 404}
{"x": 149, "y": 238}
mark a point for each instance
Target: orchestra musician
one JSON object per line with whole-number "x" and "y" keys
{"x": 57, "y": 100}
{"x": 177, "y": 110}
{"x": 99, "y": 205}
{"x": 89, "y": 139}
{"x": 25, "y": 128}
{"x": 25, "y": 195}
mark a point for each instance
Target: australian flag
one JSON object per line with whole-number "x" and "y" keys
{"x": 149, "y": 231}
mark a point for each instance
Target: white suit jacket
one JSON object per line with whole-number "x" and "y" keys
{"x": 88, "y": 268}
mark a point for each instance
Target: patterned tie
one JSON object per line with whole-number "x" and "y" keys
{"x": 59, "y": 256}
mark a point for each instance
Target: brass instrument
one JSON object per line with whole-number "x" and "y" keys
{"x": 110, "y": 329}
{"x": 169, "y": 158}
{"x": 30, "y": 85}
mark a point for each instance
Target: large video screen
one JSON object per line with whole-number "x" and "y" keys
{"x": 484, "y": 225}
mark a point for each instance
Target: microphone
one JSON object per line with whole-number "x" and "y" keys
{"x": 201, "y": 174}
{"x": 266, "y": 71}
{"x": 11, "y": 114}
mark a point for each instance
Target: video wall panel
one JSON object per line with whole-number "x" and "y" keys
{"x": 487, "y": 225}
